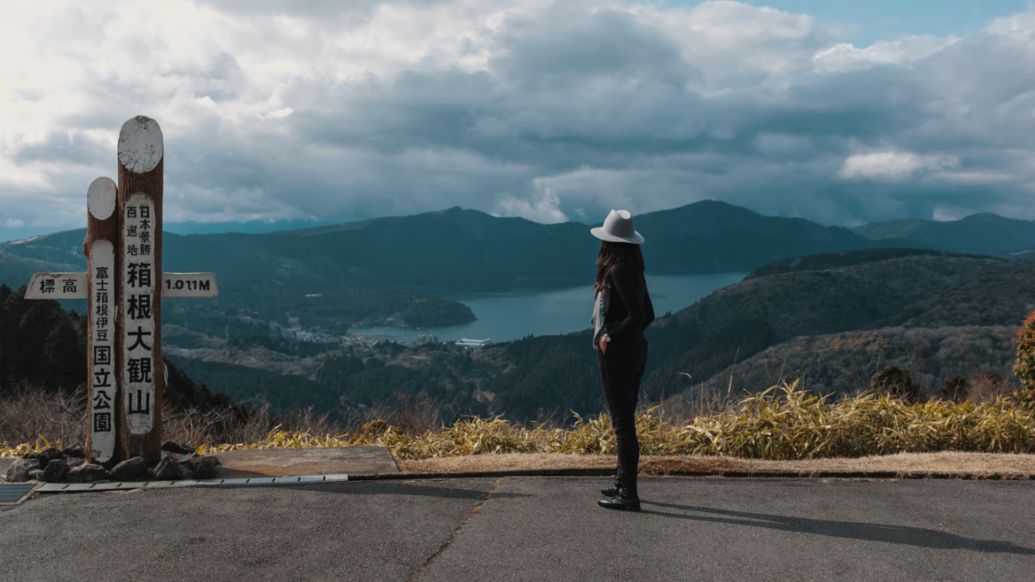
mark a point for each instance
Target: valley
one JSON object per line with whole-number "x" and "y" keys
{"x": 344, "y": 319}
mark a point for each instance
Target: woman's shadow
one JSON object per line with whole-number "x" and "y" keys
{"x": 896, "y": 534}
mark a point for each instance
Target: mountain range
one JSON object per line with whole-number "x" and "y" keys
{"x": 986, "y": 234}
{"x": 834, "y": 319}
{"x": 812, "y": 290}
{"x": 457, "y": 250}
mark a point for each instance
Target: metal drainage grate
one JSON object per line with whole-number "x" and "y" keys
{"x": 236, "y": 482}
{"x": 15, "y": 493}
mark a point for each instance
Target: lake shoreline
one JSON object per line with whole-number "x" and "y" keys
{"x": 510, "y": 315}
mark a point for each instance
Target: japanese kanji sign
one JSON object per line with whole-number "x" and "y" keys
{"x": 102, "y": 349}
{"x": 123, "y": 285}
{"x": 100, "y": 343}
{"x": 73, "y": 286}
{"x": 138, "y": 318}
{"x": 57, "y": 286}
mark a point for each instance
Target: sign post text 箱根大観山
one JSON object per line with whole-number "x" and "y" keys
{"x": 124, "y": 285}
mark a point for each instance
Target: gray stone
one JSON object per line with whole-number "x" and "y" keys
{"x": 50, "y": 452}
{"x": 74, "y": 451}
{"x": 55, "y": 471}
{"x": 19, "y": 470}
{"x": 175, "y": 457}
{"x": 179, "y": 448}
{"x": 75, "y": 461}
{"x": 203, "y": 467}
{"x": 86, "y": 473}
{"x": 134, "y": 469}
{"x": 36, "y": 475}
{"x": 168, "y": 470}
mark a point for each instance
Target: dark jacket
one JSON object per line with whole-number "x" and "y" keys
{"x": 629, "y": 310}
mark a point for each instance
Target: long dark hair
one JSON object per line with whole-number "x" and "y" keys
{"x": 612, "y": 253}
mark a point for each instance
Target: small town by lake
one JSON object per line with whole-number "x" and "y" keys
{"x": 517, "y": 314}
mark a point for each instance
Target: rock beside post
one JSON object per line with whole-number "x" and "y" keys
{"x": 203, "y": 467}
{"x": 69, "y": 465}
{"x": 20, "y": 469}
{"x": 168, "y": 470}
{"x": 87, "y": 473}
{"x": 55, "y": 471}
{"x": 134, "y": 469}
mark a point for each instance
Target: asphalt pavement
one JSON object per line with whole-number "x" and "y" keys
{"x": 531, "y": 528}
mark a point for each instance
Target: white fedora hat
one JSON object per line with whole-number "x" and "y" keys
{"x": 618, "y": 227}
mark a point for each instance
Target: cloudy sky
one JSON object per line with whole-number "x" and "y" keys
{"x": 286, "y": 112}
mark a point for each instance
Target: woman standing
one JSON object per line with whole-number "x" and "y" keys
{"x": 620, "y": 314}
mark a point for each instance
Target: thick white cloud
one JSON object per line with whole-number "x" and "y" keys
{"x": 893, "y": 165}
{"x": 552, "y": 110}
{"x": 843, "y": 57}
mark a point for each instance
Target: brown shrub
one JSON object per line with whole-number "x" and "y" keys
{"x": 988, "y": 385}
{"x": 37, "y": 416}
{"x": 1024, "y": 362}
{"x": 896, "y": 382}
{"x": 42, "y": 416}
{"x": 955, "y": 389}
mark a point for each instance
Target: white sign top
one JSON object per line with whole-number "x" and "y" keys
{"x": 140, "y": 145}
{"x": 100, "y": 198}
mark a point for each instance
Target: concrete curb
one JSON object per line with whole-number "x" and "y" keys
{"x": 562, "y": 472}
{"x": 593, "y": 472}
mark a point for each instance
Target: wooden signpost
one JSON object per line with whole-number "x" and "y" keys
{"x": 103, "y": 408}
{"x": 141, "y": 153}
{"x": 124, "y": 285}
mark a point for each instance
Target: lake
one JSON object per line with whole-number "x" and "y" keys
{"x": 513, "y": 315}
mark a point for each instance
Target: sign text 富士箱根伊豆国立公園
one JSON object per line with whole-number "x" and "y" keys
{"x": 124, "y": 285}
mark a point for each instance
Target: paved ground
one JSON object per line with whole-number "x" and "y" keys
{"x": 524, "y": 528}
{"x": 354, "y": 460}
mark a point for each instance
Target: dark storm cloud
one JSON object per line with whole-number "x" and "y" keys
{"x": 556, "y": 111}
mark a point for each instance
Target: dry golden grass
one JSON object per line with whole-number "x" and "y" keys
{"x": 781, "y": 423}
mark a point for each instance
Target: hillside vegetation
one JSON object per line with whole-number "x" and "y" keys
{"x": 937, "y": 315}
{"x": 834, "y": 321}
{"x": 782, "y": 422}
{"x": 43, "y": 347}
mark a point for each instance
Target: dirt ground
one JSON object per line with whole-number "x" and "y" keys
{"x": 951, "y": 463}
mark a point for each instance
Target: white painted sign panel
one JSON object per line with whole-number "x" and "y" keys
{"x": 103, "y": 383}
{"x": 73, "y": 286}
{"x": 138, "y": 316}
{"x": 189, "y": 285}
{"x": 57, "y": 286}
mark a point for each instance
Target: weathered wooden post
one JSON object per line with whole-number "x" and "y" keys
{"x": 123, "y": 285}
{"x": 104, "y": 405}
{"x": 140, "y": 154}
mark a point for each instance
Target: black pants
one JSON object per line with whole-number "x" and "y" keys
{"x": 621, "y": 369}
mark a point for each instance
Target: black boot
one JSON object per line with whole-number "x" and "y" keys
{"x": 627, "y": 498}
{"x": 613, "y": 489}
